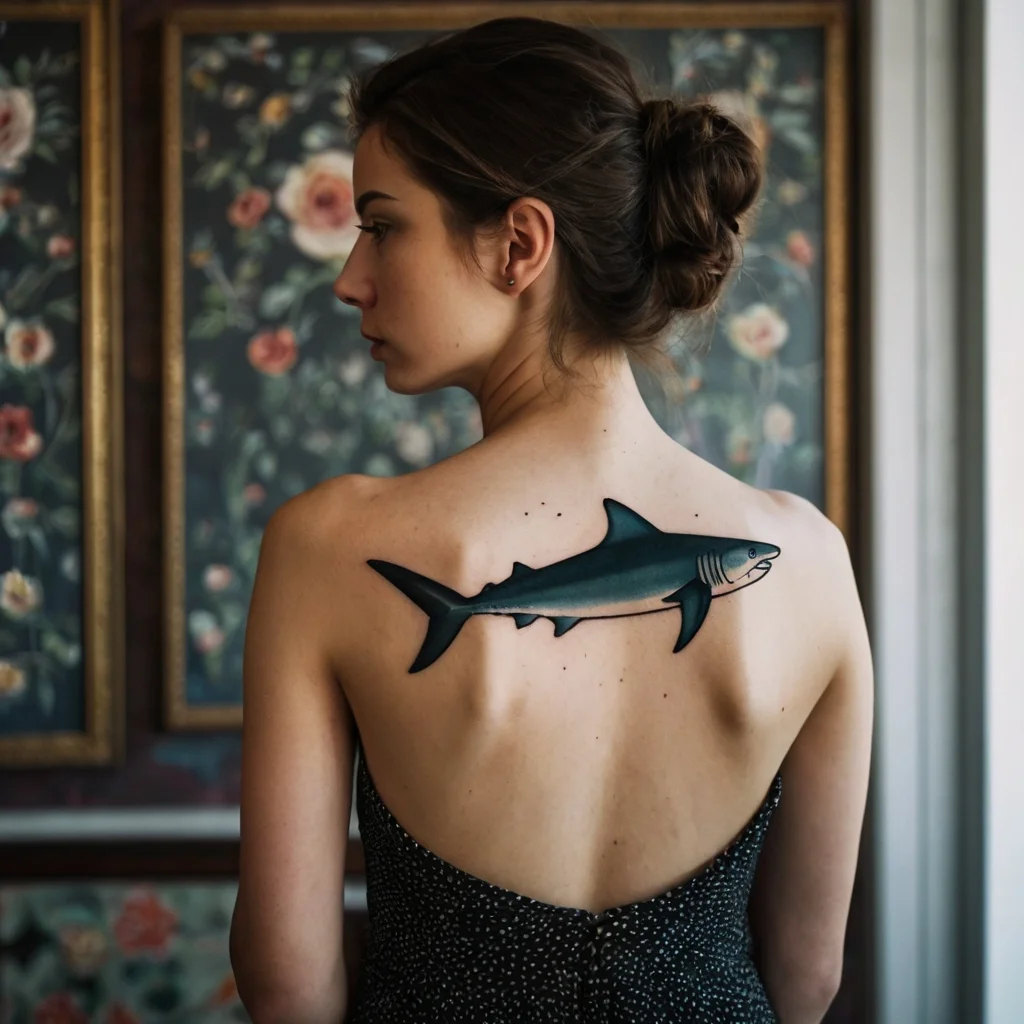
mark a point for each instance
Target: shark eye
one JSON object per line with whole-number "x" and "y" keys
{"x": 752, "y": 553}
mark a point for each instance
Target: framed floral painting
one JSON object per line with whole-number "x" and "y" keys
{"x": 269, "y": 388}
{"x": 60, "y": 481}
{"x": 117, "y": 953}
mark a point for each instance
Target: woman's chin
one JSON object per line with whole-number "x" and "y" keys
{"x": 404, "y": 383}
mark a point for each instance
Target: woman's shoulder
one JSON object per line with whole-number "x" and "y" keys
{"x": 319, "y": 521}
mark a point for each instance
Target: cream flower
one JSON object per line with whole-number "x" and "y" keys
{"x": 17, "y": 125}
{"x": 12, "y": 680}
{"x": 28, "y": 344}
{"x": 758, "y": 332}
{"x": 317, "y": 198}
{"x": 19, "y": 595}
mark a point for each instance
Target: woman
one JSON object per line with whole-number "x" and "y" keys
{"x": 572, "y": 751}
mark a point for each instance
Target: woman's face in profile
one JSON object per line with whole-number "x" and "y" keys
{"x": 440, "y": 320}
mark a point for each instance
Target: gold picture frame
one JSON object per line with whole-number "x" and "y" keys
{"x": 102, "y": 485}
{"x": 830, "y": 17}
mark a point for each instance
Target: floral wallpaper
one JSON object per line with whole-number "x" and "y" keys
{"x": 117, "y": 954}
{"x": 280, "y": 391}
{"x": 41, "y": 680}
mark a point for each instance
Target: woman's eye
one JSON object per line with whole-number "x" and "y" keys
{"x": 376, "y": 230}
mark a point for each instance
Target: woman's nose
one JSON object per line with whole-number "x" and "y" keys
{"x": 351, "y": 290}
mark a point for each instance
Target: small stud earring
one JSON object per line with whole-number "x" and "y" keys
{"x": 511, "y": 281}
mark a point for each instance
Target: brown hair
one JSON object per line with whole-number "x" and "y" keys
{"x": 647, "y": 194}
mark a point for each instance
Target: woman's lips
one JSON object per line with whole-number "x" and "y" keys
{"x": 375, "y": 343}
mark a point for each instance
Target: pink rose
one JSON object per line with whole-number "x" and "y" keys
{"x": 799, "y": 248}
{"x": 317, "y": 198}
{"x": 59, "y": 247}
{"x": 144, "y": 924}
{"x": 248, "y": 208}
{"x": 18, "y": 439}
{"x": 254, "y": 494}
{"x": 274, "y": 352}
{"x": 217, "y": 577}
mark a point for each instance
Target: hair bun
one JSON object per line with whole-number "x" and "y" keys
{"x": 704, "y": 173}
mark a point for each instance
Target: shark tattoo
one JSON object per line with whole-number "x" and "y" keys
{"x": 636, "y": 570}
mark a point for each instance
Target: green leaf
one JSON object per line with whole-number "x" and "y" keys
{"x": 46, "y": 694}
{"x": 5, "y": 77}
{"x": 213, "y": 295}
{"x": 303, "y": 57}
{"x": 332, "y": 59}
{"x": 213, "y": 173}
{"x": 248, "y": 270}
{"x": 23, "y": 70}
{"x": 208, "y": 325}
{"x": 305, "y": 329}
{"x": 275, "y": 172}
{"x": 66, "y": 308}
{"x": 67, "y": 520}
{"x": 202, "y": 240}
{"x": 45, "y": 150}
{"x": 38, "y": 541}
{"x": 276, "y": 299}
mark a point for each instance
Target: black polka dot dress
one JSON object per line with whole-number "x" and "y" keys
{"x": 446, "y": 947}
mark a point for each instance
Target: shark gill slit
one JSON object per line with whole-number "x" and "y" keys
{"x": 717, "y": 561}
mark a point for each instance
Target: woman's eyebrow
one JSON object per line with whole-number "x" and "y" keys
{"x": 368, "y": 197}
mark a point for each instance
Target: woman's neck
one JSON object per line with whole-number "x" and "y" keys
{"x": 600, "y": 395}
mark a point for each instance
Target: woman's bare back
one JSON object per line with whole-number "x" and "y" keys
{"x": 597, "y": 767}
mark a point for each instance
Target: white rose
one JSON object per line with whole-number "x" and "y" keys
{"x": 758, "y": 332}
{"x": 28, "y": 344}
{"x": 317, "y": 198}
{"x": 17, "y": 125}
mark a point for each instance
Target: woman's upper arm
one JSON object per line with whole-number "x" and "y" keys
{"x": 297, "y": 757}
{"x": 806, "y": 872}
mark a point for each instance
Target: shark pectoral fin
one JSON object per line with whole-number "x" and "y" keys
{"x": 694, "y": 600}
{"x": 563, "y": 623}
{"x": 524, "y": 620}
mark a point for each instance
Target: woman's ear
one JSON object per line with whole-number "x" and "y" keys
{"x": 527, "y": 242}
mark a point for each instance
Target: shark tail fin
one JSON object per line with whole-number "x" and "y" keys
{"x": 447, "y": 609}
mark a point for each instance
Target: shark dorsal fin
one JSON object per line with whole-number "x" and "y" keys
{"x": 518, "y": 569}
{"x": 624, "y": 523}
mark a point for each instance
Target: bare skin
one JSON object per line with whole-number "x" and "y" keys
{"x": 591, "y": 770}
